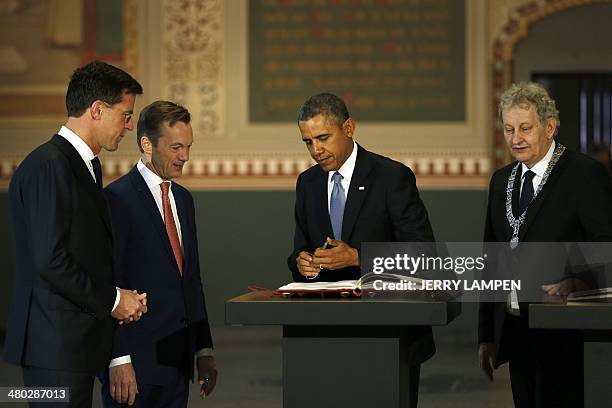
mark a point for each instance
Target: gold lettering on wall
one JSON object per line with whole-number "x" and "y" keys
{"x": 400, "y": 60}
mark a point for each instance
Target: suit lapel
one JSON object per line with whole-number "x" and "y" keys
{"x": 358, "y": 189}
{"x": 82, "y": 174}
{"x": 536, "y": 205}
{"x": 144, "y": 193}
{"x": 516, "y": 192}
{"x": 498, "y": 218}
{"x": 318, "y": 187}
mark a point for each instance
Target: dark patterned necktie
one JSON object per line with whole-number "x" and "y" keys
{"x": 527, "y": 193}
{"x": 97, "y": 168}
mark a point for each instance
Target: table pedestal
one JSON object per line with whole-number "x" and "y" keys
{"x": 595, "y": 322}
{"x": 354, "y": 366}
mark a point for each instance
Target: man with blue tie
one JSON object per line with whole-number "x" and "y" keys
{"x": 351, "y": 196}
{"x": 156, "y": 252}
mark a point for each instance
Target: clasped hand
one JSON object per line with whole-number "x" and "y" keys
{"x": 131, "y": 307}
{"x": 341, "y": 255}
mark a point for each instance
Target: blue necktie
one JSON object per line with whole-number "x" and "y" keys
{"x": 527, "y": 193}
{"x": 336, "y": 205}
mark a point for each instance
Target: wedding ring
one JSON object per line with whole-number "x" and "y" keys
{"x": 320, "y": 266}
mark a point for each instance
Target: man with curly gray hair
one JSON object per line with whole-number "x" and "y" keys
{"x": 549, "y": 194}
{"x": 523, "y": 96}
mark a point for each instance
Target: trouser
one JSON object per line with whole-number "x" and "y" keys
{"x": 546, "y": 366}
{"x": 80, "y": 385}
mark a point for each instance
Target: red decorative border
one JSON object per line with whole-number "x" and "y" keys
{"x": 245, "y": 171}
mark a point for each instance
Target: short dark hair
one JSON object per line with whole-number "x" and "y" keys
{"x": 154, "y": 115}
{"x": 327, "y": 104}
{"x": 98, "y": 81}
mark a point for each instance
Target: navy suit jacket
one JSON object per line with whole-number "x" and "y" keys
{"x": 176, "y": 324}
{"x": 60, "y": 309}
{"x": 575, "y": 205}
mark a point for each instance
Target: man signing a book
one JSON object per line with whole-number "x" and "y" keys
{"x": 350, "y": 196}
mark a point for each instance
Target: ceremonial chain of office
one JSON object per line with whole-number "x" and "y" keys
{"x": 517, "y": 223}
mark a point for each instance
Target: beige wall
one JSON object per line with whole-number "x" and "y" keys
{"x": 198, "y": 57}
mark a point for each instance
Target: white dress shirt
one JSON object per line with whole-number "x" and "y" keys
{"x": 153, "y": 182}
{"x": 539, "y": 168}
{"x": 346, "y": 170}
{"x": 87, "y": 155}
{"x": 81, "y": 147}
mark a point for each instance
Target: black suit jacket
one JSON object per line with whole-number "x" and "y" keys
{"x": 575, "y": 205}
{"x": 60, "y": 310}
{"x": 383, "y": 205}
{"x": 387, "y": 209}
{"x": 176, "y": 324}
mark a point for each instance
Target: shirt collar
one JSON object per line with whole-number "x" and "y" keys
{"x": 540, "y": 167}
{"x": 346, "y": 170}
{"x": 79, "y": 144}
{"x": 152, "y": 179}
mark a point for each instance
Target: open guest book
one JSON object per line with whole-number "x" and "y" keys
{"x": 593, "y": 295}
{"x": 371, "y": 283}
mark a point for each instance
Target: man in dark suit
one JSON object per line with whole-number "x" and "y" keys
{"x": 351, "y": 196}
{"x": 566, "y": 197}
{"x": 156, "y": 251}
{"x": 60, "y": 327}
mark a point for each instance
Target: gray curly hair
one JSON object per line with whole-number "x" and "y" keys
{"x": 526, "y": 94}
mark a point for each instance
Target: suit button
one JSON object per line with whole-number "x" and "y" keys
{"x": 184, "y": 321}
